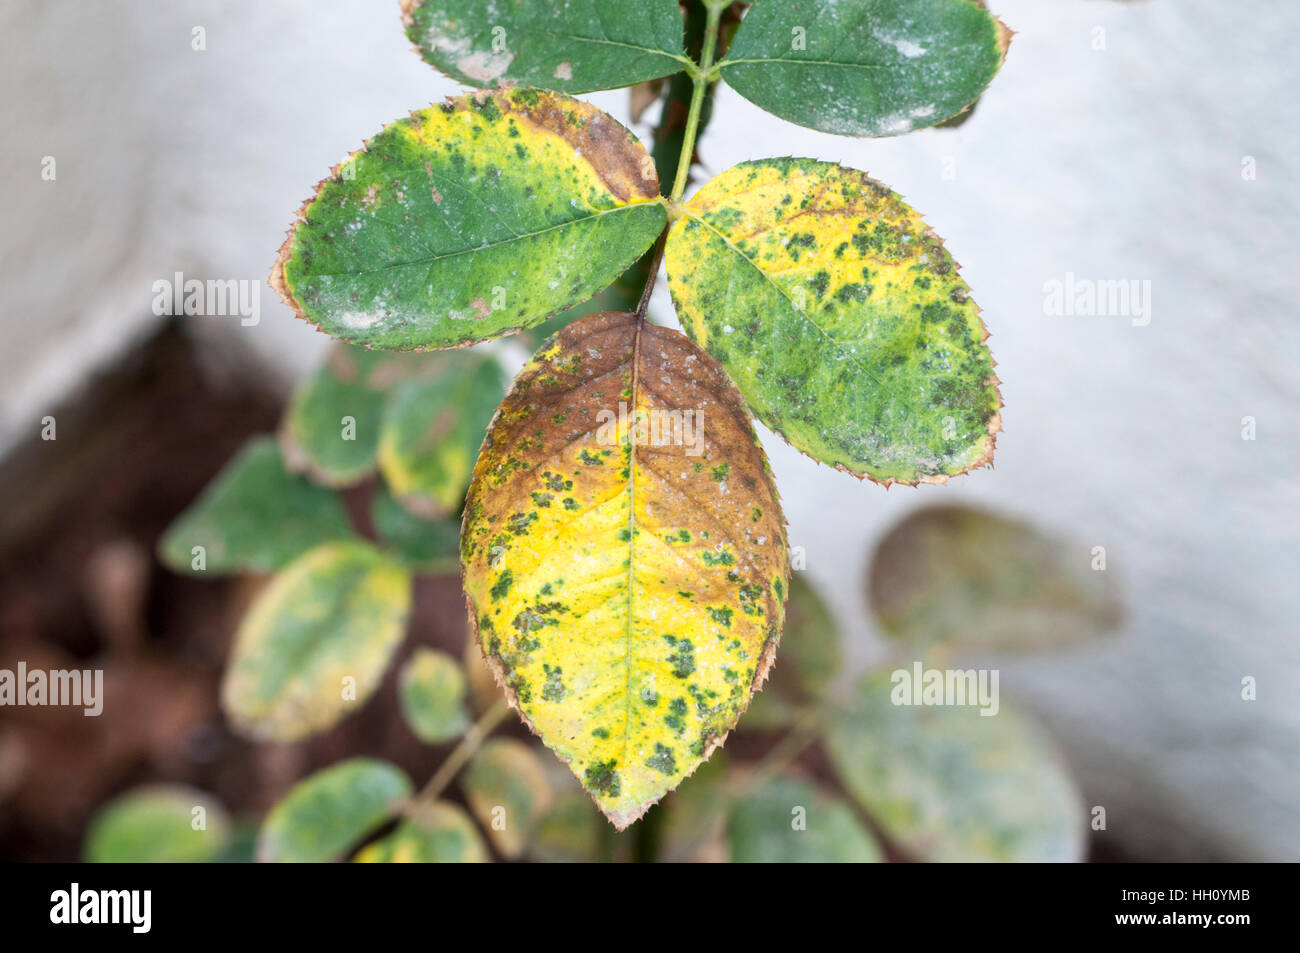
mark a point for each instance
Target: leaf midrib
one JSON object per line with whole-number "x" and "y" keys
{"x": 431, "y": 259}
{"x": 853, "y": 359}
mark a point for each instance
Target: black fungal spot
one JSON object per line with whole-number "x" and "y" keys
{"x": 683, "y": 659}
{"x": 553, "y": 690}
{"x": 502, "y": 585}
{"x": 676, "y": 717}
{"x": 662, "y": 760}
{"x": 601, "y": 776}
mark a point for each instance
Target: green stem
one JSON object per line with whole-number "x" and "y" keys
{"x": 460, "y": 755}
{"x": 701, "y": 81}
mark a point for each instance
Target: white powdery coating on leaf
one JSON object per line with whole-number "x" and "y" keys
{"x": 484, "y": 66}
{"x": 908, "y": 48}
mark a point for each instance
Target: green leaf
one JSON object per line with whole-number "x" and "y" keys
{"x": 431, "y": 546}
{"x": 577, "y": 46}
{"x": 325, "y": 814}
{"x": 865, "y": 68}
{"x": 787, "y": 821}
{"x": 570, "y": 833}
{"x": 694, "y": 824}
{"x": 508, "y": 791}
{"x": 437, "y": 833}
{"x": 953, "y": 575}
{"x": 433, "y": 429}
{"x": 433, "y": 696}
{"x": 947, "y": 783}
{"x": 470, "y": 220}
{"x": 331, "y": 430}
{"x": 254, "y": 516}
{"x": 315, "y": 644}
{"x": 158, "y": 824}
{"x": 841, "y": 318}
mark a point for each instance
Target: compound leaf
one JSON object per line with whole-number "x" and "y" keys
{"x": 470, "y": 220}
{"x": 508, "y": 791}
{"x": 432, "y": 430}
{"x": 862, "y": 67}
{"x": 328, "y": 812}
{"x": 433, "y": 696}
{"x": 625, "y": 557}
{"x": 788, "y": 821}
{"x": 841, "y": 318}
{"x": 315, "y": 643}
{"x": 437, "y": 833}
{"x": 954, "y": 575}
{"x": 947, "y": 783}
{"x": 577, "y": 46}
{"x": 158, "y": 824}
{"x": 254, "y": 516}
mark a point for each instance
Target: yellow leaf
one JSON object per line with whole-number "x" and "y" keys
{"x": 624, "y": 555}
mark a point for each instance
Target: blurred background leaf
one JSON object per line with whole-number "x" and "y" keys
{"x": 157, "y": 824}
{"x": 571, "y": 831}
{"x": 432, "y": 688}
{"x": 424, "y": 545}
{"x": 254, "y": 516}
{"x": 332, "y": 810}
{"x": 958, "y": 576}
{"x": 791, "y": 821}
{"x": 946, "y": 783}
{"x": 437, "y": 833}
{"x": 483, "y": 689}
{"x": 433, "y": 428}
{"x": 336, "y": 614}
{"x": 808, "y": 659}
{"x": 695, "y": 814}
{"x": 350, "y": 384}
{"x": 508, "y": 791}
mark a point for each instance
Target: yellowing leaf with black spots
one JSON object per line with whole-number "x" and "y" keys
{"x": 624, "y": 556}
{"x": 471, "y": 219}
{"x": 841, "y": 318}
{"x": 315, "y": 643}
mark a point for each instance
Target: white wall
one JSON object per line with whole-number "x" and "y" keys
{"x": 1122, "y": 163}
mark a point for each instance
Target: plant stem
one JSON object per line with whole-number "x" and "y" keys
{"x": 701, "y": 81}
{"x": 805, "y": 730}
{"x": 460, "y": 755}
